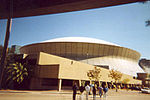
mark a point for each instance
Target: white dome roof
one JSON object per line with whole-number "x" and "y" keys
{"x": 80, "y": 39}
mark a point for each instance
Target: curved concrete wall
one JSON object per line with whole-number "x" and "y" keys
{"x": 116, "y": 57}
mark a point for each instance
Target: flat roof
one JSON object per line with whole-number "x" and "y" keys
{"x": 25, "y": 8}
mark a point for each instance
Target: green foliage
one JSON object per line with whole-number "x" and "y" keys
{"x": 94, "y": 74}
{"x": 16, "y": 72}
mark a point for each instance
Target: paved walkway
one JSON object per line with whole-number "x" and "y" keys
{"x": 67, "y": 95}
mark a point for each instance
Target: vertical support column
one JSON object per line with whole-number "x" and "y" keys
{"x": 79, "y": 82}
{"x": 90, "y": 81}
{"x": 59, "y": 84}
{"x": 2, "y": 63}
{"x": 106, "y": 84}
{"x": 99, "y": 83}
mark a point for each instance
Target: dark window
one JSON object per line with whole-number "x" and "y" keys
{"x": 49, "y": 82}
{"x": 67, "y": 82}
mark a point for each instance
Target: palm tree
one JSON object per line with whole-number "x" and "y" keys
{"x": 16, "y": 72}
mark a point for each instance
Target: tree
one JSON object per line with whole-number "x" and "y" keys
{"x": 144, "y": 1}
{"x": 19, "y": 71}
{"x": 116, "y": 75}
{"x": 125, "y": 81}
{"x": 94, "y": 74}
{"x": 147, "y": 23}
{"x": 16, "y": 72}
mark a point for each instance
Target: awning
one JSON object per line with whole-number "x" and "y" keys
{"x": 24, "y": 8}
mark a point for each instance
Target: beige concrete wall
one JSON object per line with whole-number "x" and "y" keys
{"x": 74, "y": 70}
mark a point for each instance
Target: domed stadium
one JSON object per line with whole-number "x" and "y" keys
{"x": 90, "y": 51}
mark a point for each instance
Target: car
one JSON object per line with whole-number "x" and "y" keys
{"x": 146, "y": 90}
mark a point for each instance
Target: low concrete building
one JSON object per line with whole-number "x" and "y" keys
{"x": 53, "y": 72}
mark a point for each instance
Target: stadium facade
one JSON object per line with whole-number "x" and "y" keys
{"x": 61, "y": 61}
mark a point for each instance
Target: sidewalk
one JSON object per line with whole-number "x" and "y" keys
{"x": 67, "y": 95}
{"x": 69, "y": 92}
{"x": 110, "y": 92}
{"x": 37, "y": 91}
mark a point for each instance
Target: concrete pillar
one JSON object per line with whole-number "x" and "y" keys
{"x": 79, "y": 82}
{"x": 99, "y": 83}
{"x": 59, "y": 84}
{"x": 106, "y": 84}
{"x": 90, "y": 81}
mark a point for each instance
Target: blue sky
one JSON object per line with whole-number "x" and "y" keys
{"x": 123, "y": 25}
